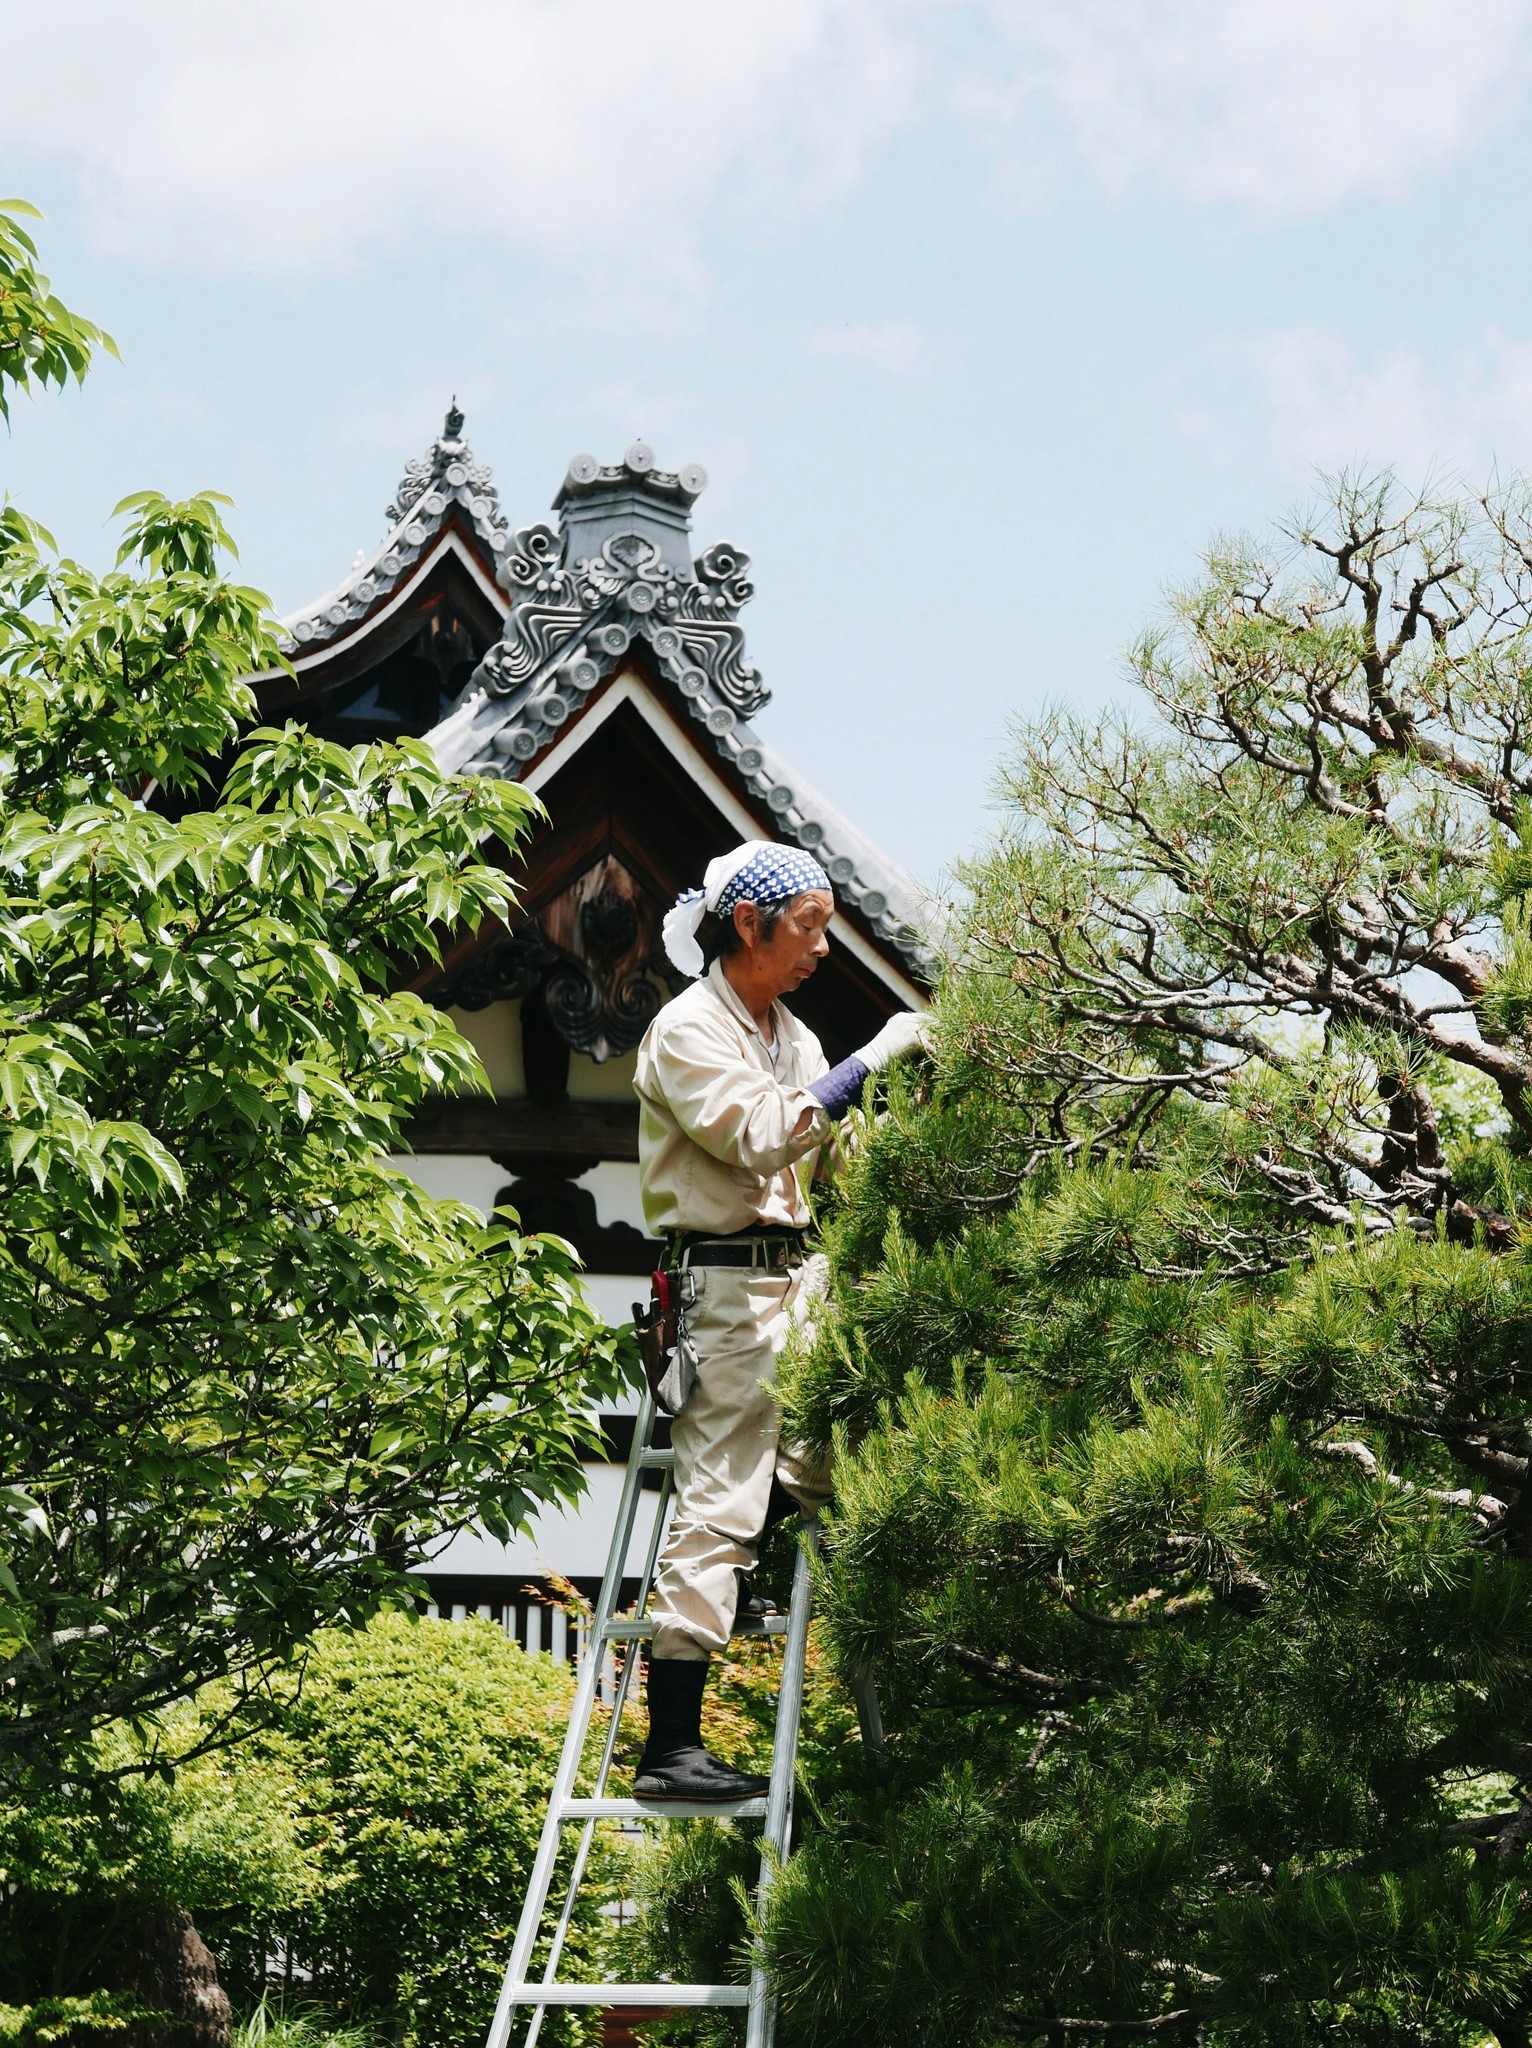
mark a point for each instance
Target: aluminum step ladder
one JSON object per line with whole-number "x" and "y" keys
{"x": 519, "y": 1992}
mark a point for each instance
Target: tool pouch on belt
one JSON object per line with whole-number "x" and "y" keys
{"x": 668, "y": 1366}
{"x": 657, "y": 1327}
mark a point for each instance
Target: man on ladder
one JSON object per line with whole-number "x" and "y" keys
{"x": 735, "y": 1100}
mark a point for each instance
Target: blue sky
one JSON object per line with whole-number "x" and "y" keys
{"x": 983, "y": 315}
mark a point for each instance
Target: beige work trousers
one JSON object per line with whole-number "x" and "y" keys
{"x": 727, "y": 1445}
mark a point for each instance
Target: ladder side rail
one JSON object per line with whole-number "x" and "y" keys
{"x": 761, "y": 2025}
{"x": 541, "y": 1877}
{"x": 608, "y": 1749}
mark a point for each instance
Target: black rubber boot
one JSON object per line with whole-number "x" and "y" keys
{"x": 674, "y": 1764}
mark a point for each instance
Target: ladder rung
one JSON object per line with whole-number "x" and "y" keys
{"x": 663, "y": 1809}
{"x": 632, "y": 1994}
{"x": 629, "y": 1631}
{"x": 656, "y": 1461}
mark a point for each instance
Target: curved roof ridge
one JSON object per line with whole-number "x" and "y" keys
{"x": 445, "y": 475}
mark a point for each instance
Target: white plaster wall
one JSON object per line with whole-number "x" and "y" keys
{"x": 614, "y": 1183}
{"x": 454, "y": 1177}
{"x": 569, "y": 1540}
{"x": 612, "y": 1295}
{"x": 573, "y": 1541}
{"x": 495, "y": 1034}
{"x": 477, "y": 1179}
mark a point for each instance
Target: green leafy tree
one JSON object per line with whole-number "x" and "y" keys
{"x": 355, "y": 1863}
{"x": 425, "y": 1751}
{"x": 103, "y": 1873}
{"x": 1178, "y": 1360}
{"x": 247, "y": 1373}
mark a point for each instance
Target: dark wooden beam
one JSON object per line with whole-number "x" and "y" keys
{"x": 554, "y": 1130}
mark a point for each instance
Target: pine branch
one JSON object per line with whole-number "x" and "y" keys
{"x": 1020, "y": 1678}
{"x": 1051, "y": 1724}
{"x": 1514, "y": 1527}
{"x": 1027, "y": 2026}
{"x": 1479, "y": 1456}
{"x": 1188, "y": 1603}
{"x": 1483, "y": 1506}
{"x": 1516, "y": 1834}
{"x": 1481, "y": 1827}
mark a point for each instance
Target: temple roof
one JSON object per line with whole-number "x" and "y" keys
{"x": 614, "y": 580}
{"x": 616, "y": 573}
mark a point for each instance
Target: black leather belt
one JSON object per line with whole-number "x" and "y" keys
{"x": 775, "y": 1251}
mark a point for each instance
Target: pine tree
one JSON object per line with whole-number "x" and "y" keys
{"x": 1177, "y": 1363}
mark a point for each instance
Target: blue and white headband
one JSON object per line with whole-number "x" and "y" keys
{"x": 760, "y": 871}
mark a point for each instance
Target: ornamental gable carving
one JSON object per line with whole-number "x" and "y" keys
{"x": 572, "y": 614}
{"x": 593, "y": 956}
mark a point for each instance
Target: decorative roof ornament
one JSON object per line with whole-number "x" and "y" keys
{"x": 432, "y": 484}
{"x": 447, "y": 463}
{"x": 619, "y": 567}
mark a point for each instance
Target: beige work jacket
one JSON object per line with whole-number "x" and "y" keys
{"x": 716, "y": 1120}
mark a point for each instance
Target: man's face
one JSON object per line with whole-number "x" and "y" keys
{"x": 798, "y": 942}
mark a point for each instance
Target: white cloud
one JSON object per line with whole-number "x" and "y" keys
{"x": 896, "y": 347}
{"x": 281, "y": 132}
{"x": 1275, "y": 104}
{"x": 615, "y": 140}
{"x": 1317, "y": 403}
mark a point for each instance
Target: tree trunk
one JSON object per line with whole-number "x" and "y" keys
{"x": 174, "y": 1971}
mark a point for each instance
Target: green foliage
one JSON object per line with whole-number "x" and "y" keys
{"x": 424, "y": 1751}
{"x": 268, "y": 1364}
{"x": 287, "y": 2024}
{"x": 41, "y": 341}
{"x": 693, "y": 1882}
{"x": 367, "y": 1842}
{"x": 1208, "y": 1676}
{"x": 1176, "y": 1360}
{"x": 246, "y": 1372}
{"x": 70, "y": 2022}
{"x": 88, "y": 1861}
{"x": 116, "y": 683}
